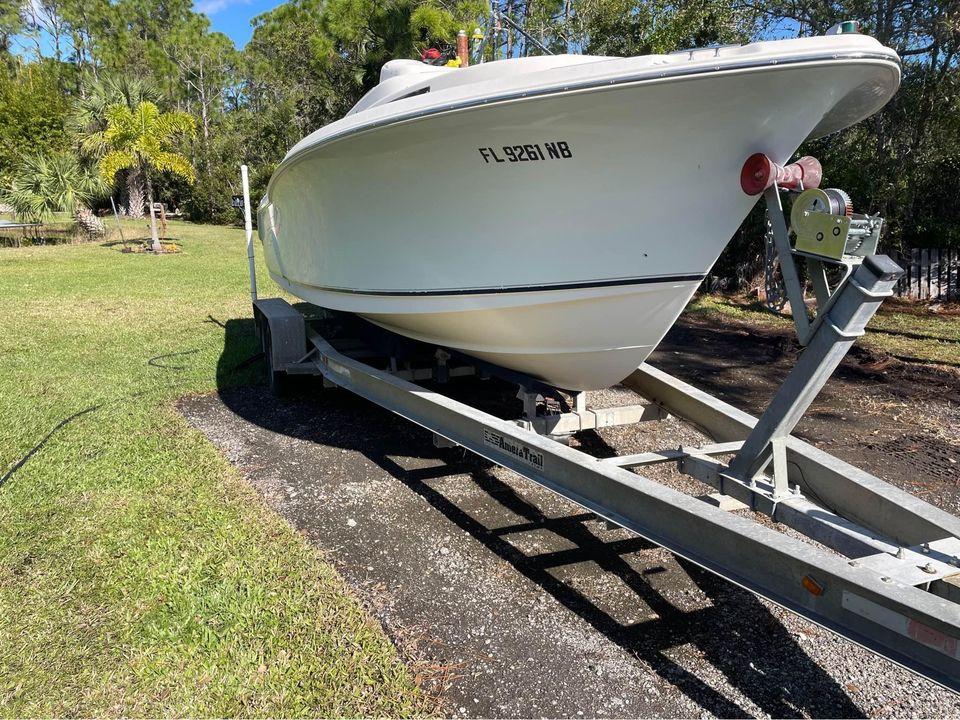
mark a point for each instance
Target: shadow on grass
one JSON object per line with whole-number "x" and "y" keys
{"x": 140, "y": 241}
{"x": 735, "y": 633}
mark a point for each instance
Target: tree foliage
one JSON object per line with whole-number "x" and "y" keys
{"x": 33, "y": 112}
{"x": 144, "y": 138}
{"x": 896, "y": 162}
{"x": 69, "y": 63}
{"x": 47, "y": 184}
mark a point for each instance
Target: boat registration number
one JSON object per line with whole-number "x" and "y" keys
{"x": 533, "y": 152}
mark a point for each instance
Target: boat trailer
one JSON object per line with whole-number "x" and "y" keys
{"x": 875, "y": 564}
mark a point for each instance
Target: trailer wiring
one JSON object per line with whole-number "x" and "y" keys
{"x": 36, "y": 448}
{"x": 152, "y": 362}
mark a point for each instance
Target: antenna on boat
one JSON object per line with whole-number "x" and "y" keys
{"x": 496, "y": 17}
{"x": 528, "y": 36}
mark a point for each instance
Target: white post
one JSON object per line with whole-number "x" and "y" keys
{"x": 248, "y": 225}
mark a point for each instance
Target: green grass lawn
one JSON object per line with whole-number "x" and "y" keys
{"x": 139, "y": 575}
{"x": 907, "y": 331}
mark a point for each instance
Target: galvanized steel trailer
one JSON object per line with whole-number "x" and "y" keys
{"x": 878, "y": 565}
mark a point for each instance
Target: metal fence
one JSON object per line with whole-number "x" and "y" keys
{"x": 929, "y": 273}
{"x": 15, "y": 232}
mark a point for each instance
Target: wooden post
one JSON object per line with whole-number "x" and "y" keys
{"x": 463, "y": 49}
{"x": 161, "y": 208}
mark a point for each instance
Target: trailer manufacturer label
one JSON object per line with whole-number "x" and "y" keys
{"x": 534, "y": 152}
{"x": 523, "y": 453}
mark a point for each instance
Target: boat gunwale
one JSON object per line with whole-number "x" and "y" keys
{"x": 887, "y": 59}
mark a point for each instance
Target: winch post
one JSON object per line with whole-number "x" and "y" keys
{"x": 788, "y": 268}
{"x": 856, "y": 302}
{"x": 818, "y": 277}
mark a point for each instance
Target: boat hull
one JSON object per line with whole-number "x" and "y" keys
{"x": 569, "y": 265}
{"x": 568, "y": 338}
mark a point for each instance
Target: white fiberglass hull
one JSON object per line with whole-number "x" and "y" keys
{"x": 569, "y": 265}
{"x": 574, "y": 339}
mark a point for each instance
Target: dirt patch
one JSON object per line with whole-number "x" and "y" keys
{"x": 921, "y": 309}
{"x": 898, "y": 420}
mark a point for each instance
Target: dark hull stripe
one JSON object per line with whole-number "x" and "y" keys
{"x": 517, "y": 289}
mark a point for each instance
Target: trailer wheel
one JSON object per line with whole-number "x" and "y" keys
{"x": 277, "y": 380}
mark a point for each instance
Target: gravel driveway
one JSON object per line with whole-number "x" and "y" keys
{"x": 514, "y": 603}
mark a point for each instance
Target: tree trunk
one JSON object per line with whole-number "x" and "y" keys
{"x": 157, "y": 247}
{"x": 135, "y": 193}
{"x": 88, "y": 222}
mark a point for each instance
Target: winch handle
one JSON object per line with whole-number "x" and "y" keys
{"x": 760, "y": 172}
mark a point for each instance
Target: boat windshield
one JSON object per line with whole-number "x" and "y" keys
{"x": 402, "y": 79}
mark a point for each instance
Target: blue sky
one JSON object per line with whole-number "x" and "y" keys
{"x": 232, "y": 17}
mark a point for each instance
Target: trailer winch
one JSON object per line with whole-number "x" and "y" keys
{"x": 826, "y": 227}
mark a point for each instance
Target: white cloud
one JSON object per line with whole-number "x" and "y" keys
{"x": 211, "y": 7}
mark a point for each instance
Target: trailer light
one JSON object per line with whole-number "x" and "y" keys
{"x": 812, "y": 586}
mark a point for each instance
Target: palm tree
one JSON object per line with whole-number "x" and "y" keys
{"x": 47, "y": 184}
{"x": 89, "y": 120}
{"x": 142, "y": 140}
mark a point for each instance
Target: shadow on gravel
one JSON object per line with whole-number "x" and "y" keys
{"x": 735, "y": 632}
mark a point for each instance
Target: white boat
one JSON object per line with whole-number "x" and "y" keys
{"x": 552, "y": 215}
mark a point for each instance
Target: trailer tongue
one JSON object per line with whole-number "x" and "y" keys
{"x": 878, "y": 565}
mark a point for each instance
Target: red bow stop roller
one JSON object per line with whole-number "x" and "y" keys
{"x": 760, "y": 172}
